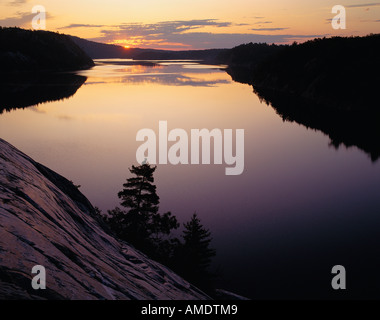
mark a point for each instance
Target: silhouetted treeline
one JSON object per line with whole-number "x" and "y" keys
{"x": 338, "y": 72}
{"x": 25, "y": 50}
{"x": 142, "y": 225}
{"x": 251, "y": 54}
{"x": 328, "y": 84}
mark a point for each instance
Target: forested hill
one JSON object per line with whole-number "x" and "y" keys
{"x": 328, "y": 84}
{"x": 341, "y": 73}
{"x": 26, "y": 50}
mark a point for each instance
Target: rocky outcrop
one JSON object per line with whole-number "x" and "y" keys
{"x": 45, "y": 220}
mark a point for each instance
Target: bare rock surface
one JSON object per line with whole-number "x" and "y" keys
{"x": 45, "y": 220}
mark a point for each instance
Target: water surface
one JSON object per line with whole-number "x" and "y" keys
{"x": 299, "y": 208}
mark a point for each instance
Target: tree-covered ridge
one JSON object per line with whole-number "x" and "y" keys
{"x": 327, "y": 84}
{"x": 26, "y": 50}
{"x": 339, "y": 73}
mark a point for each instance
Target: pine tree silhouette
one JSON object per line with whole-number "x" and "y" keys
{"x": 141, "y": 225}
{"x": 196, "y": 253}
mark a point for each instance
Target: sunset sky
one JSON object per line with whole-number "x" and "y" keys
{"x": 196, "y": 24}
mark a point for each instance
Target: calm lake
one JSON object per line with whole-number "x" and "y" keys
{"x": 299, "y": 208}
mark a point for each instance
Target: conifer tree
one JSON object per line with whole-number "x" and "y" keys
{"x": 196, "y": 253}
{"x": 141, "y": 225}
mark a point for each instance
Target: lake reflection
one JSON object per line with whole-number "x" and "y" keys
{"x": 299, "y": 208}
